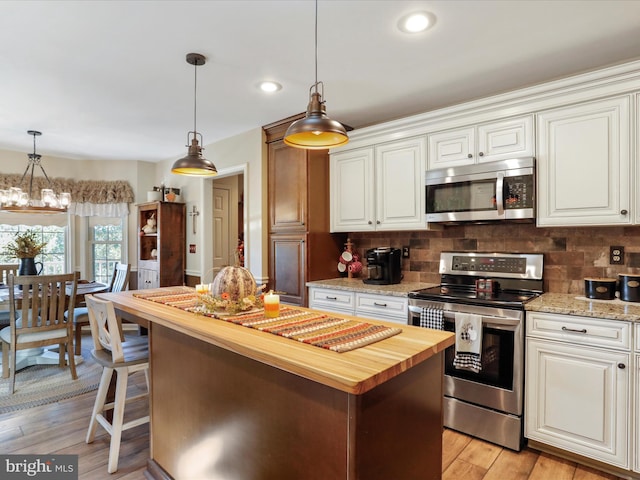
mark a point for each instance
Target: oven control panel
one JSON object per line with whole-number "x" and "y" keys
{"x": 489, "y": 264}
{"x": 508, "y": 265}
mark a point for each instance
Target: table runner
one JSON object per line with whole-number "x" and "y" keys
{"x": 321, "y": 330}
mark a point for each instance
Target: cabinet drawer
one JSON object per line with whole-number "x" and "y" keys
{"x": 581, "y": 330}
{"x": 636, "y": 336}
{"x": 334, "y": 299}
{"x": 382, "y": 307}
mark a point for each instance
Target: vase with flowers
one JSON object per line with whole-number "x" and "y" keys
{"x": 25, "y": 246}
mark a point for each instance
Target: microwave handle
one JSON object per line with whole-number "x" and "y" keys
{"x": 500, "y": 192}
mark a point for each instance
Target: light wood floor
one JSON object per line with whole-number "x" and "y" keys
{"x": 61, "y": 428}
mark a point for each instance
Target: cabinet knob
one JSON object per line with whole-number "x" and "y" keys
{"x": 622, "y": 366}
{"x": 369, "y": 222}
{"x": 481, "y": 154}
{"x": 623, "y": 212}
{"x": 378, "y": 222}
{"x": 469, "y": 156}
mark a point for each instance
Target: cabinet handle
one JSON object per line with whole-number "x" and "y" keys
{"x": 378, "y": 222}
{"x": 330, "y": 298}
{"x": 481, "y": 154}
{"x": 469, "y": 156}
{"x": 369, "y": 222}
{"x": 623, "y": 212}
{"x": 380, "y": 304}
{"x": 582, "y": 330}
{"x": 622, "y": 366}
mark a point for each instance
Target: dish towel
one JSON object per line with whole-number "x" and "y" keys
{"x": 468, "y": 342}
{"x": 432, "y": 318}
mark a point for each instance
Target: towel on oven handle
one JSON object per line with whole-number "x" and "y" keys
{"x": 432, "y": 318}
{"x": 468, "y": 342}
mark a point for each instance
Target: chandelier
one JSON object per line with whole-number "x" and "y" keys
{"x": 16, "y": 200}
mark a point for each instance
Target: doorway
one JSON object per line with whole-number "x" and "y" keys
{"x": 227, "y": 222}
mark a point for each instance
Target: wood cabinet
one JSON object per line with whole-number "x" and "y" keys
{"x": 161, "y": 247}
{"x": 379, "y": 188}
{"x": 486, "y": 142}
{"x": 301, "y": 249}
{"x": 578, "y": 380}
{"x": 584, "y": 164}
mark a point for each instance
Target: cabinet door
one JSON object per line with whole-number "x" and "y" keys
{"x": 584, "y": 164}
{"x": 287, "y": 188}
{"x": 351, "y": 187}
{"x": 512, "y": 138}
{"x": 287, "y": 265}
{"x": 577, "y": 399}
{"x": 147, "y": 278}
{"x": 452, "y": 148}
{"x": 400, "y": 192}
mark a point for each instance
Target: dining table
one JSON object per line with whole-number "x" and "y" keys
{"x": 44, "y": 355}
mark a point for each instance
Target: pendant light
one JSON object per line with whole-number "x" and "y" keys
{"x": 194, "y": 164}
{"x": 316, "y": 131}
{"x": 16, "y": 200}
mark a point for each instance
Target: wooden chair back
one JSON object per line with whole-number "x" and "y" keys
{"x": 41, "y": 304}
{"x": 120, "y": 277}
{"x": 6, "y": 269}
{"x": 105, "y": 329}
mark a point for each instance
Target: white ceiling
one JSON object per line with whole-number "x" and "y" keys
{"x": 109, "y": 80}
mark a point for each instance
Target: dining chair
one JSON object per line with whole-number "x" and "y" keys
{"x": 119, "y": 282}
{"x": 36, "y": 319}
{"x": 124, "y": 358}
{"x": 6, "y": 269}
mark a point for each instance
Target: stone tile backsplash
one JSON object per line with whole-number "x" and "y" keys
{"x": 570, "y": 254}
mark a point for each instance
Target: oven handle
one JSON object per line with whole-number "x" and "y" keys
{"x": 499, "y": 323}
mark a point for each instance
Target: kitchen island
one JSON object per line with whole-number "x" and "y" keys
{"x": 231, "y": 402}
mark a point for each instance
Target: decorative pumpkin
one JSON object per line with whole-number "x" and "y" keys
{"x": 238, "y": 282}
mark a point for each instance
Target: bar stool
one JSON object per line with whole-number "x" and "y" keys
{"x": 124, "y": 358}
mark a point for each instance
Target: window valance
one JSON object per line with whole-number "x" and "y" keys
{"x": 82, "y": 191}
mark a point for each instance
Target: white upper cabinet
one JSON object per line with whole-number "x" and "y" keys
{"x": 379, "y": 188}
{"x": 486, "y": 142}
{"x": 583, "y": 164}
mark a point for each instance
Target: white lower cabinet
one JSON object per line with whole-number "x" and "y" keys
{"x": 391, "y": 308}
{"x": 147, "y": 278}
{"x": 578, "y": 387}
{"x": 330, "y": 300}
{"x": 382, "y": 307}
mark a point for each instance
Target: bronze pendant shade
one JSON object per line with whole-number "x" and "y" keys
{"x": 316, "y": 131}
{"x": 194, "y": 164}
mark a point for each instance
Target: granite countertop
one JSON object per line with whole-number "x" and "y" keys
{"x": 571, "y": 304}
{"x": 356, "y": 285}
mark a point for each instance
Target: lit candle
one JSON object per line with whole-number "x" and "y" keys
{"x": 202, "y": 288}
{"x": 271, "y": 305}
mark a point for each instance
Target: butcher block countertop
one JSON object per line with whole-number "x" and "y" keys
{"x": 357, "y": 285}
{"x": 356, "y": 371}
{"x": 571, "y": 304}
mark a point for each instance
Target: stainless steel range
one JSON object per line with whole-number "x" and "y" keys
{"x": 485, "y": 401}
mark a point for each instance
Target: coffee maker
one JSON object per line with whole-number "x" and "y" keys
{"x": 384, "y": 265}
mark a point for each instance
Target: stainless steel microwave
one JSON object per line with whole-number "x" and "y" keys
{"x": 503, "y": 190}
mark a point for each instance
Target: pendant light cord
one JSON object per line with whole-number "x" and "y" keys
{"x": 195, "y": 95}
{"x": 316, "y": 40}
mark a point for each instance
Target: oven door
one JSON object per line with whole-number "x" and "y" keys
{"x": 499, "y": 384}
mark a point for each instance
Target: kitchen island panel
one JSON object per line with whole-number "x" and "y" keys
{"x": 218, "y": 414}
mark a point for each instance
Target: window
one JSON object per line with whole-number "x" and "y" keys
{"x": 106, "y": 236}
{"x": 53, "y": 257}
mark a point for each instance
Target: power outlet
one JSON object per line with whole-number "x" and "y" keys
{"x": 405, "y": 252}
{"x": 616, "y": 255}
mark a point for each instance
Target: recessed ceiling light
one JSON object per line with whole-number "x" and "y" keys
{"x": 269, "y": 86}
{"x": 416, "y": 22}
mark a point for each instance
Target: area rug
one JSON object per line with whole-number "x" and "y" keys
{"x": 43, "y": 384}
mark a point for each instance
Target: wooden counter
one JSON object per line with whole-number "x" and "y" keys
{"x": 231, "y": 402}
